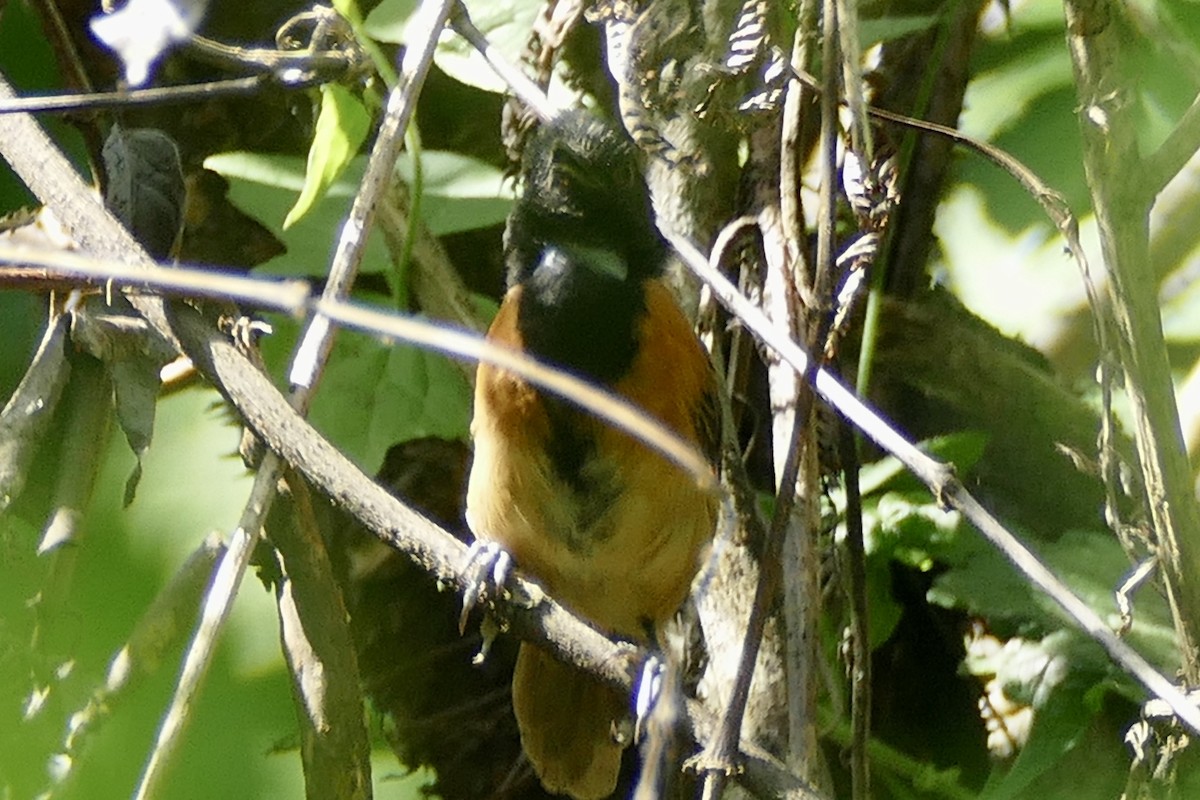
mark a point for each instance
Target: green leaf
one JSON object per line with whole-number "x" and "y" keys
{"x": 1181, "y": 314}
{"x": 1091, "y": 563}
{"x": 265, "y": 186}
{"x": 883, "y": 610}
{"x": 387, "y": 21}
{"x": 1057, "y": 727}
{"x": 135, "y": 390}
{"x": 461, "y": 193}
{"x": 348, "y": 9}
{"x": 505, "y": 23}
{"x": 342, "y": 127}
{"x": 1000, "y": 99}
{"x": 376, "y": 394}
{"x": 884, "y": 29}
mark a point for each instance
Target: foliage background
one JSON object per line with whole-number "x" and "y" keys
{"x": 998, "y": 254}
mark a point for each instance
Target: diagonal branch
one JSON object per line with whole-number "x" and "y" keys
{"x": 1179, "y": 147}
{"x": 940, "y": 479}
{"x": 268, "y": 413}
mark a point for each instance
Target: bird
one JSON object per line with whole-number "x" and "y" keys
{"x": 608, "y": 526}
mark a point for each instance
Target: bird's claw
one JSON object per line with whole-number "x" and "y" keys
{"x": 487, "y": 567}
{"x": 649, "y": 688}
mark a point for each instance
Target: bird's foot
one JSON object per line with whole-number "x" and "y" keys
{"x": 646, "y": 694}
{"x": 486, "y": 568}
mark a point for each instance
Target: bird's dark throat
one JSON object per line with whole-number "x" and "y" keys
{"x": 583, "y": 317}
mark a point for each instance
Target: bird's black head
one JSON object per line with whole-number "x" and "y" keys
{"x": 581, "y": 244}
{"x": 582, "y": 190}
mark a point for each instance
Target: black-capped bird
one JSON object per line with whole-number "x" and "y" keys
{"x": 608, "y": 526}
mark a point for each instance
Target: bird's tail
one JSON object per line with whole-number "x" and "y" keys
{"x": 566, "y": 719}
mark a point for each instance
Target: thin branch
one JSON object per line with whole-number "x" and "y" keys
{"x": 859, "y": 140}
{"x": 948, "y": 490}
{"x": 55, "y": 269}
{"x": 161, "y": 629}
{"x": 293, "y": 297}
{"x": 320, "y": 653}
{"x": 822, "y": 285}
{"x": 720, "y": 755}
{"x": 198, "y": 659}
{"x": 316, "y": 342}
{"x": 521, "y": 84}
{"x": 530, "y": 614}
{"x": 1179, "y": 147}
{"x": 156, "y": 96}
{"x": 85, "y": 419}
{"x": 799, "y": 557}
{"x": 860, "y": 640}
{"x": 317, "y": 65}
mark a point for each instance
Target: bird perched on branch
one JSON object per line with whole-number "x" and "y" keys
{"x": 608, "y": 526}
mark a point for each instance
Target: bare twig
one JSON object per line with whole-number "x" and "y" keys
{"x": 85, "y": 416}
{"x": 521, "y": 84}
{"x": 1166, "y": 162}
{"x": 293, "y": 297}
{"x": 316, "y": 341}
{"x": 859, "y": 657}
{"x": 156, "y": 96}
{"x": 162, "y": 627}
{"x": 799, "y": 558}
{"x": 320, "y": 654}
{"x": 216, "y": 608}
{"x": 319, "y": 65}
{"x": 56, "y": 268}
{"x": 720, "y": 759}
{"x": 859, "y": 140}
{"x": 948, "y": 490}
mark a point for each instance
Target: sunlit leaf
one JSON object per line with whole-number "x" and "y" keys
{"x": 387, "y": 21}
{"x": 506, "y": 24}
{"x": 341, "y": 128}
{"x": 1091, "y": 563}
{"x": 265, "y": 187}
{"x": 1001, "y": 98}
{"x": 461, "y": 193}
{"x": 1023, "y": 284}
{"x": 884, "y": 29}
{"x": 375, "y": 394}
